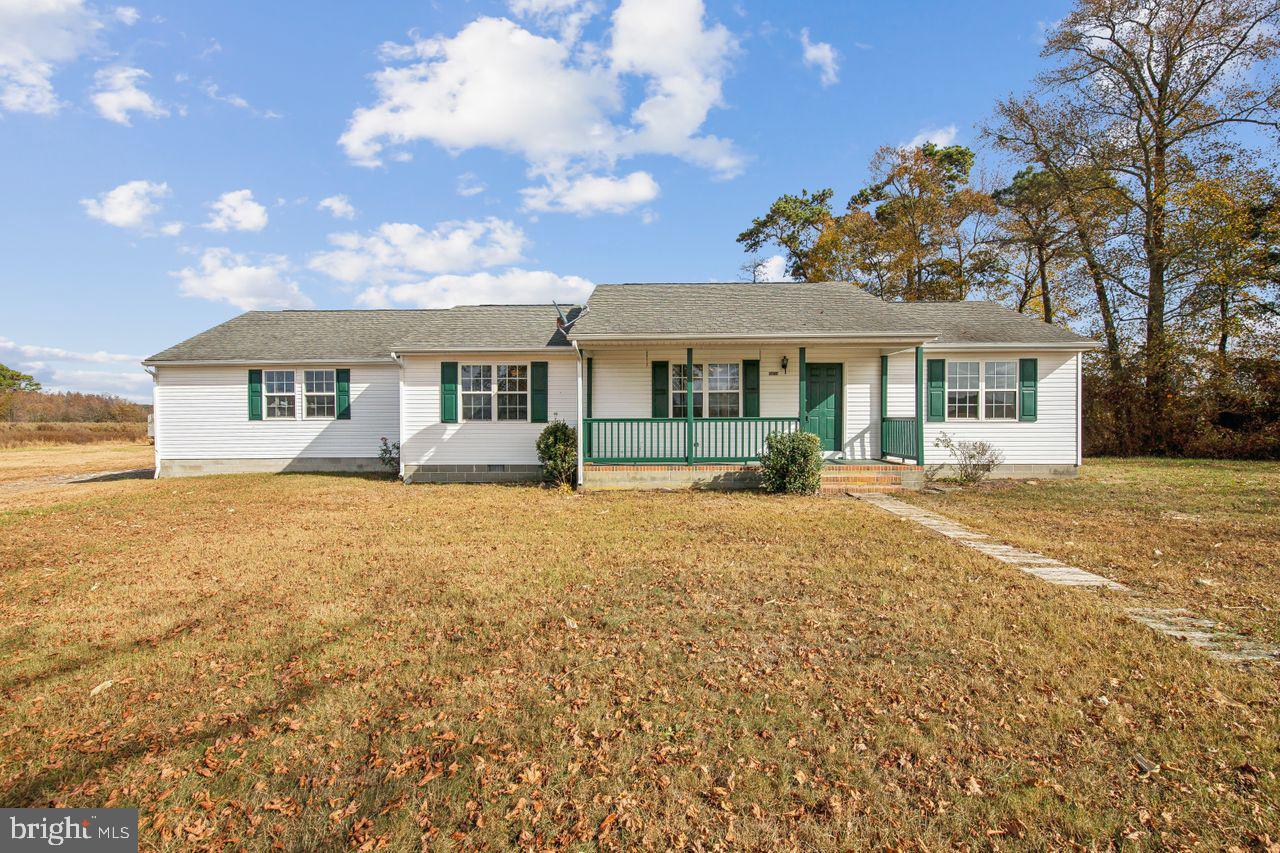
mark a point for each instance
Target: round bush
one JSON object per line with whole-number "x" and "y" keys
{"x": 558, "y": 453}
{"x": 792, "y": 463}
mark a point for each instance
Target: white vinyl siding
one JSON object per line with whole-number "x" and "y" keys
{"x": 1051, "y": 439}
{"x": 203, "y": 413}
{"x": 427, "y": 441}
{"x": 622, "y": 377}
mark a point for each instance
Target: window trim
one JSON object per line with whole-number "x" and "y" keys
{"x": 306, "y": 395}
{"x": 705, "y": 392}
{"x": 981, "y": 390}
{"x": 493, "y": 392}
{"x": 266, "y": 396}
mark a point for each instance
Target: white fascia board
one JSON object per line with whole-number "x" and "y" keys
{"x": 236, "y": 362}
{"x": 1069, "y": 346}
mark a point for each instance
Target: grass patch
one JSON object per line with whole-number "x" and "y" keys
{"x": 1201, "y": 534}
{"x": 318, "y": 662}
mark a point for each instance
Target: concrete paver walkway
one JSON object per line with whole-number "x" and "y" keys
{"x": 1214, "y": 638}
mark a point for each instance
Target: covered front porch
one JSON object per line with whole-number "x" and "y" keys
{"x": 716, "y": 404}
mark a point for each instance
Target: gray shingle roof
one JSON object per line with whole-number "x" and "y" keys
{"x": 982, "y": 322}
{"x": 796, "y": 309}
{"x": 790, "y": 310}
{"x": 369, "y": 335}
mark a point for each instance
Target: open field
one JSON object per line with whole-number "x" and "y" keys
{"x": 33, "y": 462}
{"x": 40, "y": 434}
{"x": 1202, "y": 534}
{"x": 322, "y": 661}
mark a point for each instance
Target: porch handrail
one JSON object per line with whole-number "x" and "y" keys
{"x": 898, "y": 438}
{"x": 663, "y": 440}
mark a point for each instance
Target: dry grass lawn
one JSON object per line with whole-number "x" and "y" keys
{"x": 1193, "y": 533}
{"x": 35, "y": 462}
{"x": 52, "y": 433}
{"x": 330, "y": 662}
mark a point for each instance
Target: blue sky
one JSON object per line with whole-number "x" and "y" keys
{"x": 167, "y": 166}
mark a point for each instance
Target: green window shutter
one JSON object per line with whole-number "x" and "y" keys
{"x": 588, "y": 387}
{"x": 937, "y": 387}
{"x": 255, "y": 395}
{"x": 1028, "y": 373}
{"x": 751, "y": 388}
{"x": 661, "y": 382}
{"x": 538, "y": 392}
{"x": 448, "y": 392}
{"x": 344, "y": 393}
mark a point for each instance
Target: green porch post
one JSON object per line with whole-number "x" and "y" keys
{"x": 919, "y": 405}
{"x": 688, "y": 405}
{"x": 884, "y": 398}
{"x": 804, "y": 420}
{"x": 587, "y": 431}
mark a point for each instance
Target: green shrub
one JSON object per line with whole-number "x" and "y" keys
{"x": 558, "y": 453}
{"x": 389, "y": 455}
{"x": 792, "y": 463}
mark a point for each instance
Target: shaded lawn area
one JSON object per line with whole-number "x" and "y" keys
{"x": 1201, "y": 534}
{"x": 321, "y": 661}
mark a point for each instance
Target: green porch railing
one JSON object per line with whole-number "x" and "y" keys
{"x": 653, "y": 440}
{"x": 898, "y": 438}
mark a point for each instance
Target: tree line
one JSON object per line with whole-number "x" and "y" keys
{"x": 1142, "y": 207}
{"x": 23, "y": 400}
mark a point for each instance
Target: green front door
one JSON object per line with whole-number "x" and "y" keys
{"x": 823, "y": 384}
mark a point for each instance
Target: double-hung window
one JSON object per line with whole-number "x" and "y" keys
{"x": 681, "y": 391}
{"x": 716, "y": 390}
{"x": 724, "y": 390}
{"x": 278, "y": 394}
{"x": 1000, "y": 391}
{"x": 963, "y": 381}
{"x": 982, "y": 390}
{"x": 494, "y": 389}
{"x": 513, "y": 392}
{"x": 320, "y": 390}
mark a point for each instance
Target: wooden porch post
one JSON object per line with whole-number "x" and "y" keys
{"x": 688, "y": 404}
{"x": 919, "y": 405}
{"x": 804, "y": 419}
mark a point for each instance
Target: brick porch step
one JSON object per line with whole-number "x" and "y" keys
{"x": 860, "y": 488}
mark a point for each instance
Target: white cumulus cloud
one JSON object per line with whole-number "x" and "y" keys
{"x": 940, "y": 136}
{"x": 469, "y": 185}
{"x": 402, "y": 252}
{"x": 60, "y": 354}
{"x": 496, "y": 84}
{"x": 822, "y": 56}
{"x": 236, "y": 211}
{"x": 588, "y": 194}
{"x": 338, "y": 205}
{"x": 116, "y": 94}
{"x": 224, "y": 276}
{"x": 130, "y": 205}
{"x": 566, "y": 16}
{"x": 36, "y": 38}
{"x": 773, "y": 268}
{"x": 483, "y": 288}
{"x": 127, "y": 15}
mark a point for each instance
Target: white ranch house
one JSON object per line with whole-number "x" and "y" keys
{"x": 673, "y": 384}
